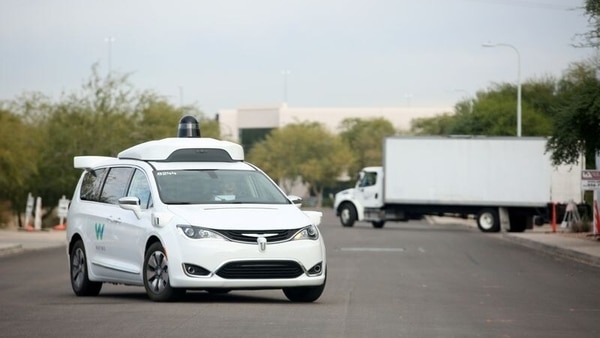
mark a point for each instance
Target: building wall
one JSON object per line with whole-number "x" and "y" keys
{"x": 232, "y": 120}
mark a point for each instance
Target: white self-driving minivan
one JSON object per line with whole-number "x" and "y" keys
{"x": 188, "y": 213}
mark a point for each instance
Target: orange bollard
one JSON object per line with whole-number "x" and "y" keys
{"x": 553, "y": 217}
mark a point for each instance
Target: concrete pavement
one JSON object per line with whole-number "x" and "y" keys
{"x": 581, "y": 247}
{"x": 14, "y": 241}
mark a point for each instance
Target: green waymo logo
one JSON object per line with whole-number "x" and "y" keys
{"x": 99, "y": 228}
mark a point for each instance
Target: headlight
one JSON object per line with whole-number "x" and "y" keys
{"x": 198, "y": 232}
{"x": 309, "y": 232}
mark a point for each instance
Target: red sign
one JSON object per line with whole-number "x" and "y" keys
{"x": 592, "y": 175}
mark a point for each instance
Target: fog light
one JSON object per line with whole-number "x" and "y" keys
{"x": 316, "y": 270}
{"x": 195, "y": 270}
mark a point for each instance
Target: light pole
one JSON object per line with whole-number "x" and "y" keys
{"x": 109, "y": 40}
{"x": 489, "y": 44}
{"x": 285, "y": 74}
{"x": 180, "y": 96}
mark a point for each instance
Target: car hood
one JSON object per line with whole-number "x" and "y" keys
{"x": 268, "y": 217}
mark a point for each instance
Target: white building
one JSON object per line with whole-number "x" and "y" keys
{"x": 249, "y": 122}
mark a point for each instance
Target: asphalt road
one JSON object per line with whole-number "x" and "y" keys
{"x": 405, "y": 280}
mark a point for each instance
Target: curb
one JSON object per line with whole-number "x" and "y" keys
{"x": 554, "y": 250}
{"x": 10, "y": 249}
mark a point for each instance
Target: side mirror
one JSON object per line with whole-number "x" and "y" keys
{"x": 131, "y": 203}
{"x": 296, "y": 200}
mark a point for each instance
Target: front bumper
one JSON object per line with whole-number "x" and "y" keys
{"x": 227, "y": 264}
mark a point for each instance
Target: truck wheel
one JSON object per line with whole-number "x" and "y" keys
{"x": 378, "y": 224}
{"x": 518, "y": 223}
{"x": 347, "y": 215}
{"x": 539, "y": 220}
{"x": 488, "y": 220}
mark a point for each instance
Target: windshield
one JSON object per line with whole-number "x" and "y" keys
{"x": 217, "y": 187}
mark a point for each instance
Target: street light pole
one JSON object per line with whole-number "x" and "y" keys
{"x": 488, "y": 44}
{"x": 110, "y": 40}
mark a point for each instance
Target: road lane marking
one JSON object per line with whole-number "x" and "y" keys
{"x": 373, "y": 249}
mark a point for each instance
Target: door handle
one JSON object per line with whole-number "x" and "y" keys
{"x": 113, "y": 219}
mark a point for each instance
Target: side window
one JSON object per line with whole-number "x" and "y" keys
{"x": 368, "y": 179}
{"x": 116, "y": 185}
{"x": 92, "y": 182}
{"x": 139, "y": 188}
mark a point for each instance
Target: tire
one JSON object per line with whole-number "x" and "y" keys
{"x": 518, "y": 223}
{"x": 80, "y": 281}
{"x": 539, "y": 221}
{"x": 347, "y": 215}
{"x": 488, "y": 220}
{"x": 378, "y": 224}
{"x": 156, "y": 276}
{"x": 305, "y": 294}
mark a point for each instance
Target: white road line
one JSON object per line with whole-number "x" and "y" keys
{"x": 373, "y": 249}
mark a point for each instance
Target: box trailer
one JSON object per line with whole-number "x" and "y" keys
{"x": 504, "y": 182}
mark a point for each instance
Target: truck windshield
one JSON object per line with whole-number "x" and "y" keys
{"x": 217, "y": 187}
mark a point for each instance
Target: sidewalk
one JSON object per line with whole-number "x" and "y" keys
{"x": 14, "y": 241}
{"x": 582, "y": 247}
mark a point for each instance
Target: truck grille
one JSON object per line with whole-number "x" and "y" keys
{"x": 260, "y": 270}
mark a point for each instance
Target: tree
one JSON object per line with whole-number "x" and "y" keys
{"x": 493, "y": 113}
{"x": 105, "y": 117}
{"x": 305, "y": 151}
{"x": 157, "y": 119}
{"x": 365, "y": 139}
{"x": 577, "y": 123}
{"x": 17, "y": 159}
{"x": 436, "y": 125}
{"x": 592, "y": 37}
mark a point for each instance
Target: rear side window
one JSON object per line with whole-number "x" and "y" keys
{"x": 116, "y": 185}
{"x": 91, "y": 184}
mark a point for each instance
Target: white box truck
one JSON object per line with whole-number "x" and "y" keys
{"x": 501, "y": 181}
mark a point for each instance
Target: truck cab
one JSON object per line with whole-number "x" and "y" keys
{"x": 364, "y": 202}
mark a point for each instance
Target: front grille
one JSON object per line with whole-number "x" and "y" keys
{"x": 260, "y": 270}
{"x": 250, "y": 236}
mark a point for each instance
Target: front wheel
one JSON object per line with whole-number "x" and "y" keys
{"x": 347, "y": 215}
{"x": 156, "y": 275}
{"x": 305, "y": 294}
{"x": 488, "y": 220}
{"x": 80, "y": 280}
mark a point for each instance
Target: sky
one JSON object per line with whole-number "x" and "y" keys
{"x": 230, "y": 54}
